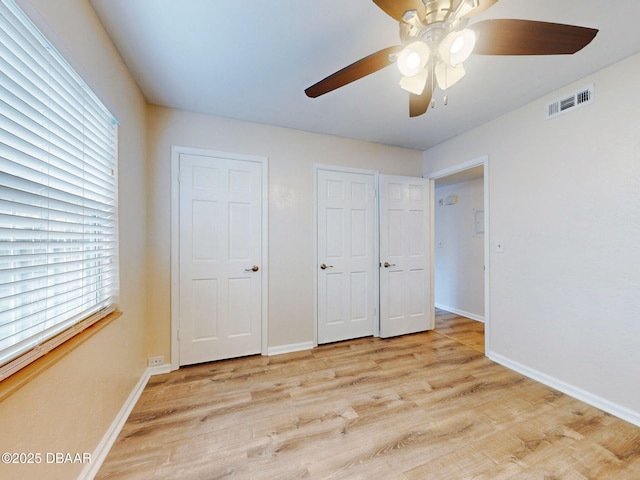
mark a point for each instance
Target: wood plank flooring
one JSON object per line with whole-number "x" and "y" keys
{"x": 463, "y": 330}
{"x": 421, "y": 406}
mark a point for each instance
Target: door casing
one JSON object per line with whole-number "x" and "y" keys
{"x": 176, "y": 151}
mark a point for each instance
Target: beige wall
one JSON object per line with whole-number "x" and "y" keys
{"x": 291, "y": 155}
{"x": 69, "y": 407}
{"x": 564, "y": 198}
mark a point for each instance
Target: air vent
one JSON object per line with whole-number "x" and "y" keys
{"x": 570, "y": 102}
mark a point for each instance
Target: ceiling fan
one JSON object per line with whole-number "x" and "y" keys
{"x": 436, "y": 41}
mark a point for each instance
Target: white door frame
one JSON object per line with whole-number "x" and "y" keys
{"x": 176, "y": 151}
{"x": 315, "y": 260}
{"x": 476, "y": 162}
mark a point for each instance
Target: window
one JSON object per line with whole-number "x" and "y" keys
{"x": 58, "y": 197}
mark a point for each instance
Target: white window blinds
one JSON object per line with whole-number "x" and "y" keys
{"x": 58, "y": 197}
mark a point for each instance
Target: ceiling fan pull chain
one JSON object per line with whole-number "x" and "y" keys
{"x": 433, "y": 74}
{"x": 446, "y": 86}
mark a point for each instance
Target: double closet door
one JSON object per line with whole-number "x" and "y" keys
{"x": 373, "y": 255}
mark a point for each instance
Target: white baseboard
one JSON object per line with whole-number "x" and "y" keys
{"x": 462, "y": 313}
{"x": 575, "y": 392}
{"x": 293, "y": 347}
{"x": 160, "y": 369}
{"x": 102, "y": 450}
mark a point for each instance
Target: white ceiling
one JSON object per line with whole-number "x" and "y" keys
{"x": 252, "y": 61}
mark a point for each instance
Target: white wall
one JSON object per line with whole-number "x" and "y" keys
{"x": 70, "y": 406}
{"x": 564, "y": 199}
{"x": 459, "y": 254}
{"x": 291, "y": 155}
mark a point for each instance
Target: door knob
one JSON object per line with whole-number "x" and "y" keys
{"x": 255, "y": 268}
{"x": 387, "y": 264}
{"x": 324, "y": 266}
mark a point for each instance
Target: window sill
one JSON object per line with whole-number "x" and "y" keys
{"x": 19, "y": 379}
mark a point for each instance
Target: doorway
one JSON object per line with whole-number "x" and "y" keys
{"x": 461, "y": 241}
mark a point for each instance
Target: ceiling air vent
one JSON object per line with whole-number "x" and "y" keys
{"x": 570, "y": 102}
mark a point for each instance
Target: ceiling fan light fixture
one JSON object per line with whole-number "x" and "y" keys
{"x": 456, "y": 47}
{"x": 416, "y": 83}
{"x": 447, "y": 76}
{"x": 413, "y": 58}
{"x": 435, "y": 45}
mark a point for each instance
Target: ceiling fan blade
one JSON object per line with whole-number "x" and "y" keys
{"x": 527, "y": 37}
{"x": 418, "y": 104}
{"x": 396, "y": 8}
{"x": 482, "y": 6}
{"x": 355, "y": 71}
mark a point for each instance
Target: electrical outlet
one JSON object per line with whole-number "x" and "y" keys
{"x": 155, "y": 361}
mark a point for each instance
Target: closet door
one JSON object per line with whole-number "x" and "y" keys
{"x": 406, "y": 294}
{"x": 346, "y": 261}
{"x": 220, "y": 258}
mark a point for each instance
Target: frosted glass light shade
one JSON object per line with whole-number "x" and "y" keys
{"x": 447, "y": 76}
{"x": 413, "y": 58}
{"x": 456, "y": 47}
{"x": 416, "y": 83}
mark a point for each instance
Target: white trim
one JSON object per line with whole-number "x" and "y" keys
{"x": 462, "y": 313}
{"x": 175, "y": 257}
{"x": 432, "y": 254}
{"x": 176, "y": 151}
{"x": 619, "y": 411}
{"x": 314, "y": 243}
{"x": 102, "y": 450}
{"x": 476, "y": 162}
{"x": 160, "y": 369}
{"x": 487, "y": 258}
{"x": 293, "y": 347}
{"x": 445, "y": 172}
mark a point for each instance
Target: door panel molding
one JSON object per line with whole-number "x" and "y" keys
{"x": 176, "y": 152}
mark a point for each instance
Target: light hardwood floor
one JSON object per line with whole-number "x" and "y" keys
{"x": 422, "y": 406}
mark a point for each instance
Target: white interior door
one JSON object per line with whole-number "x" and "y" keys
{"x": 346, "y": 268}
{"x": 406, "y": 298}
{"x": 220, "y": 249}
